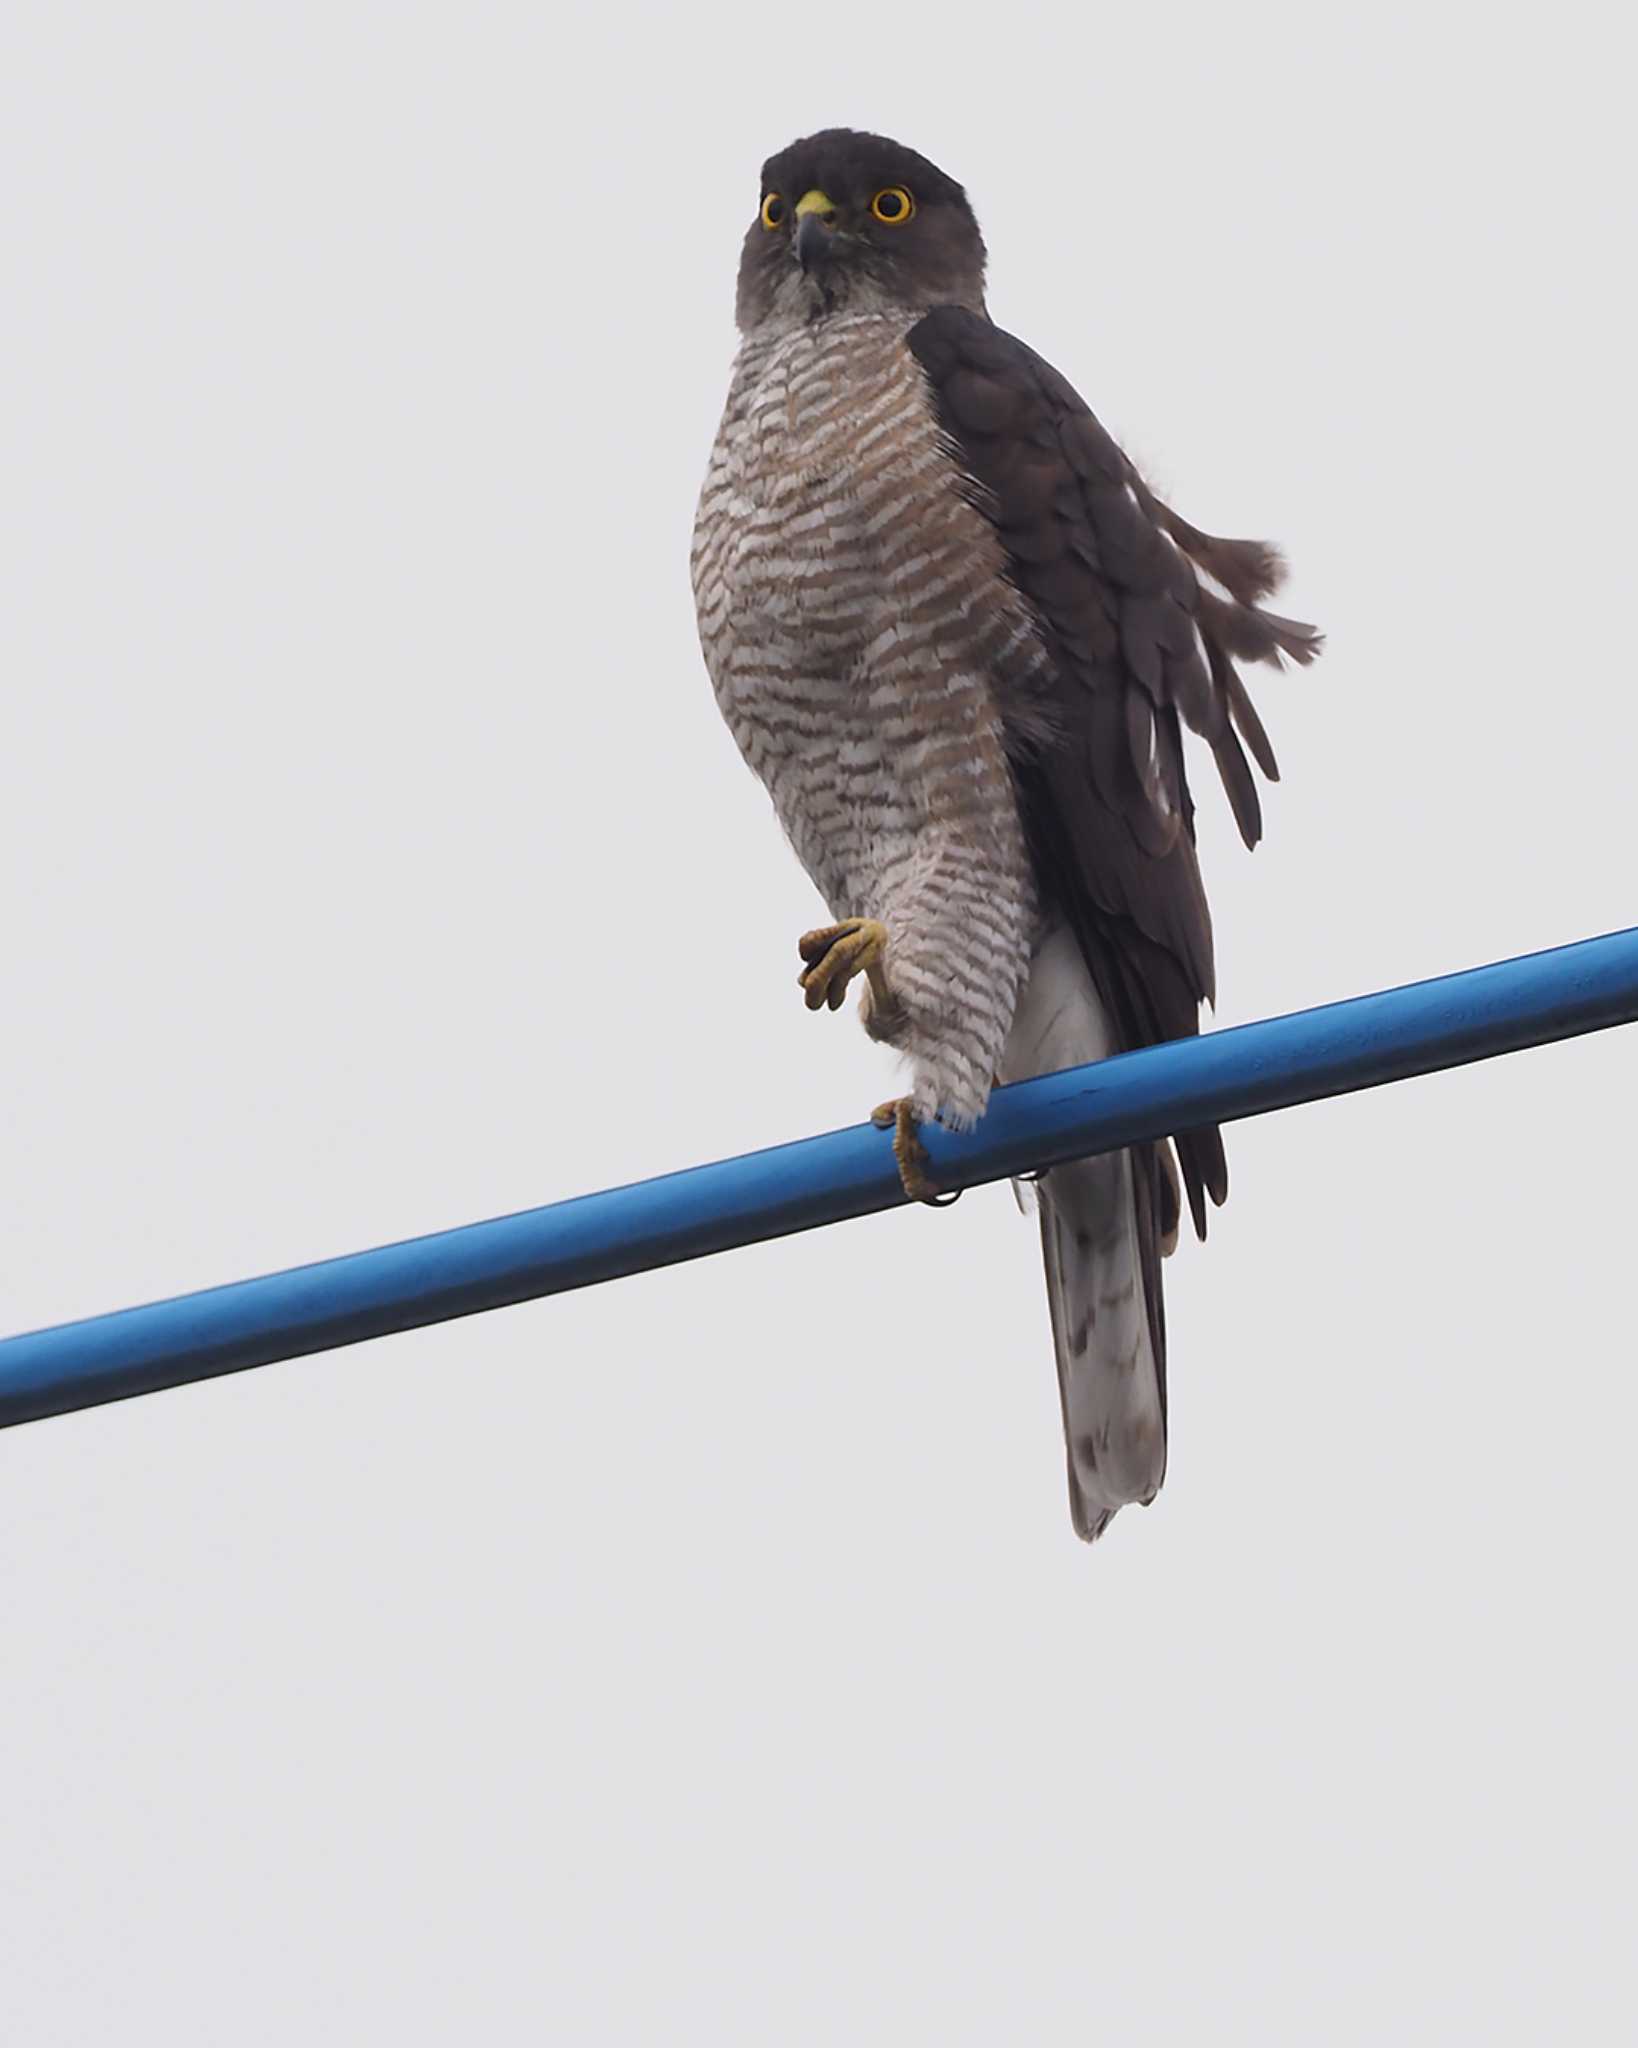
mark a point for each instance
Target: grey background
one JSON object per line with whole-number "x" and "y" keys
{"x": 709, "y": 1657}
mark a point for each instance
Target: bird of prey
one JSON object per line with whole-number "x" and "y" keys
{"x": 958, "y": 639}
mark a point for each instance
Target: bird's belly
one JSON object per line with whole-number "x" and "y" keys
{"x": 853, "y": 610}
{"x": 839, "y": 715}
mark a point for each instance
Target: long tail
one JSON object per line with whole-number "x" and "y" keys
{"x": 1103, "y": 1222}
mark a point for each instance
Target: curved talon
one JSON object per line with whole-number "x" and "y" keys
{"x": 911, "y": 1154}
{"x": 835, "y": 953}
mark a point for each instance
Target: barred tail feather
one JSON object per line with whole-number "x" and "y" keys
{"x": 1102, "y": 1222}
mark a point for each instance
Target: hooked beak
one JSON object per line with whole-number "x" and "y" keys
{"x": 815, "y": 228}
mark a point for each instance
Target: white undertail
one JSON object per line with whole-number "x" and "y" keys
{"x": 1108, "y": 1376}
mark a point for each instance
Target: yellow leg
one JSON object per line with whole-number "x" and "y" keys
{"x": 910, "y": 1152}
{"x": 834, "y": 954}
{"x": 837, "y": 952}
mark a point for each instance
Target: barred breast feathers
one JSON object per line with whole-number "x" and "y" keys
{"x": 855, "y": 614}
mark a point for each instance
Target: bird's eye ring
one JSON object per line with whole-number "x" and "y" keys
{"x": 892, "y": 206}
{"x": 773, "y": 211}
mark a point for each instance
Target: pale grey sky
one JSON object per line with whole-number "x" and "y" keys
{"x": 643, "y": 1665}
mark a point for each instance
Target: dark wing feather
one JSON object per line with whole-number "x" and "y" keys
{"x": 1140, "y": 646}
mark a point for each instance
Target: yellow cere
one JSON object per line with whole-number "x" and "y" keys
{"x": 812, "y": 202}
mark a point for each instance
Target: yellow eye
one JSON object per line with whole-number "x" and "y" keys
{"x": 773, "y": 211}
{"x": 893, "y": 206}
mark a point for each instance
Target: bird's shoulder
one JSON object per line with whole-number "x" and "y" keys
{"x": 1069, "y": 503}
{"x": 986, "y": 374}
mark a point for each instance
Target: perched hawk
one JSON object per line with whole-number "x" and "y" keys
{"x": 958, "y": 638}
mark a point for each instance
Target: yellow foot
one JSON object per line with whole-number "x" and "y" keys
{"x": 837, "y": 952}
{"x": 910, "y": 1152}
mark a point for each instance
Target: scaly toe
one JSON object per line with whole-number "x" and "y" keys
{"x": 835, "y": 953}
{"x": 911, "y": 1153}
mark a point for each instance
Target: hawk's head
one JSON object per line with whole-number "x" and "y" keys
{"x": 846, "y": 219}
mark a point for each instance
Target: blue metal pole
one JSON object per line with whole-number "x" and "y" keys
{"x": 1222, "y": 1076}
